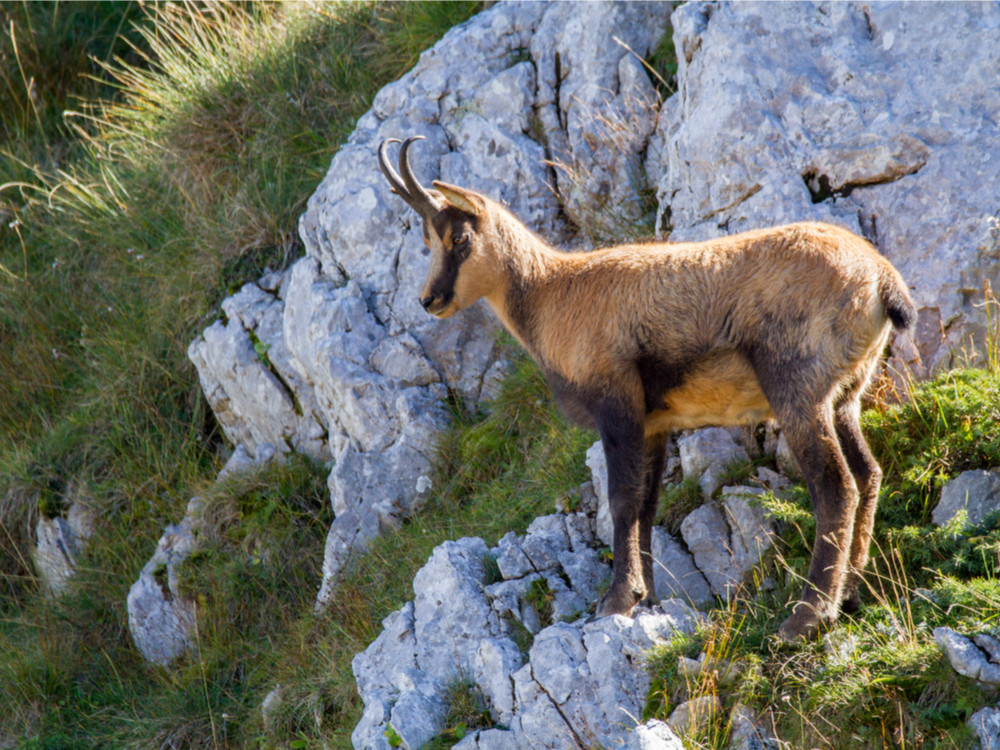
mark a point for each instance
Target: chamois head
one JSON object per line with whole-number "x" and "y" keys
{"x": 453, "y": 220}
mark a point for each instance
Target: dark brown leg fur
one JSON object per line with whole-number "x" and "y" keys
{"x": 655, "y": 454}
{"x": 624, "y": 449}
{"x": 835, "y": 502}
{"x": 868, "y": 478}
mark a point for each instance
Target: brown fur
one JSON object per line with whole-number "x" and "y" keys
{"x": 640, "y": 340}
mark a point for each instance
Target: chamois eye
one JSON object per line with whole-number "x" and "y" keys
{"x": 461, "y": 241}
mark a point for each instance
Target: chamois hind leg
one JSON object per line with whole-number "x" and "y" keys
{"x": 656, "y": 446}
{"x": 624, "y": 450}
{"x": 868, "y": 478}
{"x": 813, "y": 438}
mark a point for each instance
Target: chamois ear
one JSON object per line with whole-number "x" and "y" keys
{"x": 464, "y": 200}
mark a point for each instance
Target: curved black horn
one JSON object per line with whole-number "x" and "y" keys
{"x": 421, "y": 200}
{"x": 407, "y": 187}
{"x": 395, "y": 182}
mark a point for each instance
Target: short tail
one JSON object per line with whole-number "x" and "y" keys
{"x": 896, "y": 300}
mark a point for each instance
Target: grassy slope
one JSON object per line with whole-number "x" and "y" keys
{"x": 188, "y": 182}
{"x": 115, "y": 248}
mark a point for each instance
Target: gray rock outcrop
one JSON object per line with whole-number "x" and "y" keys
{"x": 464, "y": 626}
{"x": 161, "y": 617}
{"x": 865, "y": 115}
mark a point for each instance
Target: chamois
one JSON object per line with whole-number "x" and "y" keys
{"x": 639, "y": 340}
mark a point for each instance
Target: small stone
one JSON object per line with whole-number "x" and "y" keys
{"x": 966, "y": 657}
{"x": 695, "y": 714}
{"x": 986, "y": 725}
{"x": 747, "y": 733}
{"x": 976, "y": 492}
{"x": 654, "y": 735}
{"x": 707, "y": 455}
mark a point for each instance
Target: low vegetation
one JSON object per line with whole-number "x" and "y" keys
{"x": 177, "y": 173}
{"x": 878, "y": 679}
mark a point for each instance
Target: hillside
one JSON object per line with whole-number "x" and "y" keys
{"x": 210, "y": 338}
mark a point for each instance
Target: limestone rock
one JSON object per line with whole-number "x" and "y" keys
{"x": 747, "y": 733}
{"x": 564, "y": 693}
{"x": 250, "y": 381}
{"x": 60, "y": 542}
{"x": 727, "y": 541}
{"x": 986, "y": 725}
{"x": 654, "y": 735}
{"x": 706, "y": 454}
{"x": 753, "y": 532}
{"x": 694, "y": 714}
{"x": 787, "y": 463}
{"x": 488, "y": 739}
{"x": 161, "y": 618}
{"x": 833, "y": 125}
{"x": 578, "y": 679}
{"x": 270, "y": 706}
{"x": 978, "y": 658}
{"x": 597, "y": 463}
{"x": 976, "y": 492}
{"x": 675, "y": 573}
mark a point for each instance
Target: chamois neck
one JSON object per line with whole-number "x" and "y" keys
{"x": 524, "y": 263}
{"x": 522, "y": 252}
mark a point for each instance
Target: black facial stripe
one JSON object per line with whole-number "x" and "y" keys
{"x": 443, "y": 285}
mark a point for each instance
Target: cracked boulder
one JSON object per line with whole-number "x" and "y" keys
{"x": 727, "y": 538}
{"x": 507, "y": 620}
{"x": 845, "y": 121}
{"x": 977, "y": 657}
{"x": 250, "y": 380}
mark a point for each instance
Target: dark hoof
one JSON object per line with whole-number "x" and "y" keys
{"x": 619, "y": 601}
{"x": 851, "y": 603}
{"x": 801, "y": 627}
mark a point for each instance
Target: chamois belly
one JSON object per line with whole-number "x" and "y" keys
{"x": 722, "y": 390}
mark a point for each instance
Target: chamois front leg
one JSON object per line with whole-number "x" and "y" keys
{"x": 624, "y": 450}
{"x": 656, "y": 447}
